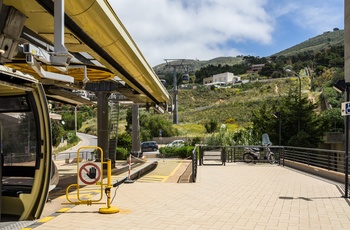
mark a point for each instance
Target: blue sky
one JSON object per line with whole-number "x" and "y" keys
{"x": 206, "y": 29}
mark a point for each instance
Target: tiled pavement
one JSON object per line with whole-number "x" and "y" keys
{"x": 235, "y": 196}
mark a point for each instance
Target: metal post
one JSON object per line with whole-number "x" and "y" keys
{"x": 347, "y": 81}
{"x": 136, "y": 146}
{"x": 1, "y": 163}
{"x": 175, "y": 119}
{"x": 299, "y": 101}
{"x": 346, "y": 195}
{"x": 102, "y": 122}
{"x": 75, "y": 120}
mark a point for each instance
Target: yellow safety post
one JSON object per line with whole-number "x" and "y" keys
{"x": 105, "y": 210}
{"x": 109, "y": 209}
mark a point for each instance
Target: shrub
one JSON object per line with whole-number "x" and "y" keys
{"x": 176, "y": 152}
{"x": 125, "y": 140}
{"x": 121, "y": 153}
{"x": 57, "y": 132}
{"x": 72, "y": 137}
{"x": 184, "y": 151}
{"x": 196, "y": 140}
{"x": 211, "y": 126}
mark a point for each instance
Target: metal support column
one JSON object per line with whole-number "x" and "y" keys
{"x": 136, "y": 148}
{"x": 102, "y": 121}
{"x": 347, "y": 82}
{"x": 346, "y": 192}
{"x": 175, "y": 119}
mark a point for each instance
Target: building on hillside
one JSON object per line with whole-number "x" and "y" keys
{"x": 257, "y": 67}
{"x": 207, "y": 80}
{"x": 227, "y": 78}
{"x": 222, "y": 78}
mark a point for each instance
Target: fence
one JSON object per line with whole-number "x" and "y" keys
{"x": 221, "y": 154}
{"x": 332, "y": 160}
{"x": 326, "y": 163}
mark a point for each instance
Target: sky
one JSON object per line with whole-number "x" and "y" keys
{"x": 206, "y": 29}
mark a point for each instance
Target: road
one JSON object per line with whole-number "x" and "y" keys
{"x": 85, "y": 140}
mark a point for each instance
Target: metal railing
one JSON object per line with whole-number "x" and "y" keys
{"x": 332, "y": 160}
{"x": 212, "y": 155}
{"x": 86, "y": 155}
{"x": 235, "y": 153}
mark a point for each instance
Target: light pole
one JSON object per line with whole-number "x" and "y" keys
{"x": 299, "y": 98}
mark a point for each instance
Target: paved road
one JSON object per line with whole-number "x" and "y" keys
{"x": 85, "y": 140}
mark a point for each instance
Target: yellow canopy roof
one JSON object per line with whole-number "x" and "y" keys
{"x": 91, "y": 26}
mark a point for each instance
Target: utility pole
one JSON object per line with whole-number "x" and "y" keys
{"x": 175, "y": 63}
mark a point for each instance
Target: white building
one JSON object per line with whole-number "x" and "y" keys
{"x": 227, "y": 78}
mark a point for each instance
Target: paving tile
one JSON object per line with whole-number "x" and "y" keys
{"x": 235, "y": 196}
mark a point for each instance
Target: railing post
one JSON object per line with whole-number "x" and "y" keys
{"x": 194, "y": 164}
{"x": 329, "y": 161}
{"x": 234, "y": 155}
{"x": 223, "y": 155}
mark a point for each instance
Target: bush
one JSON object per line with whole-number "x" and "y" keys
{"x": 211, "y": 126}
{"x": 125, "y": 140}
{"x": 184, "y": 151}
{"x": 176, "y": 152}
{"x": 121, "y": 153}
{"x": 196, "y": 140}
{"x": 57, "y": 132}
{"x": 72, "y": 137}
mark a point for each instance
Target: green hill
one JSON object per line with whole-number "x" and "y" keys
{"x": 329, "y": 38}
{"x": 197, "y": 64}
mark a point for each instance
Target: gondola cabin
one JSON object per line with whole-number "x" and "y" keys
{"x": 25, "y": 145}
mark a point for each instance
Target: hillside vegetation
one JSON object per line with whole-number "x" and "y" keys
{"x": 233, "y": 105}
{"x": 318, "y": 63}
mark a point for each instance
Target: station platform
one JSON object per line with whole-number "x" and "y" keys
{"x": 235, "y": 196}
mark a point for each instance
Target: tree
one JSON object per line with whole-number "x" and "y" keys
{"x": 267, "y": 70}
{"x": 211, "y": 126}
{"x": 311, "y": 126}
{"x": 150, "y": 126}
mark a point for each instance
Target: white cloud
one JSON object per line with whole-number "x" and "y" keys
{"x": 317, "y": 16}
{"x": 193, "y": 29}
{"x": 205, "y": 29}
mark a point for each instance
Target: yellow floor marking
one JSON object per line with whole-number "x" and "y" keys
{"x": 63, "y": 210}
{"x": 159, "y": 178}
{"x": 46, "y": 219}
{"x": 154, "y": 178}
{"x": 175, "y": 169}
{"x": 165, "y": 179}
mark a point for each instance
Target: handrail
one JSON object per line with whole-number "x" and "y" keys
{"x": 330, "y": 161}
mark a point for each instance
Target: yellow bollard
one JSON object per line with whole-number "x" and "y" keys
{"x": 108, "y": 209}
